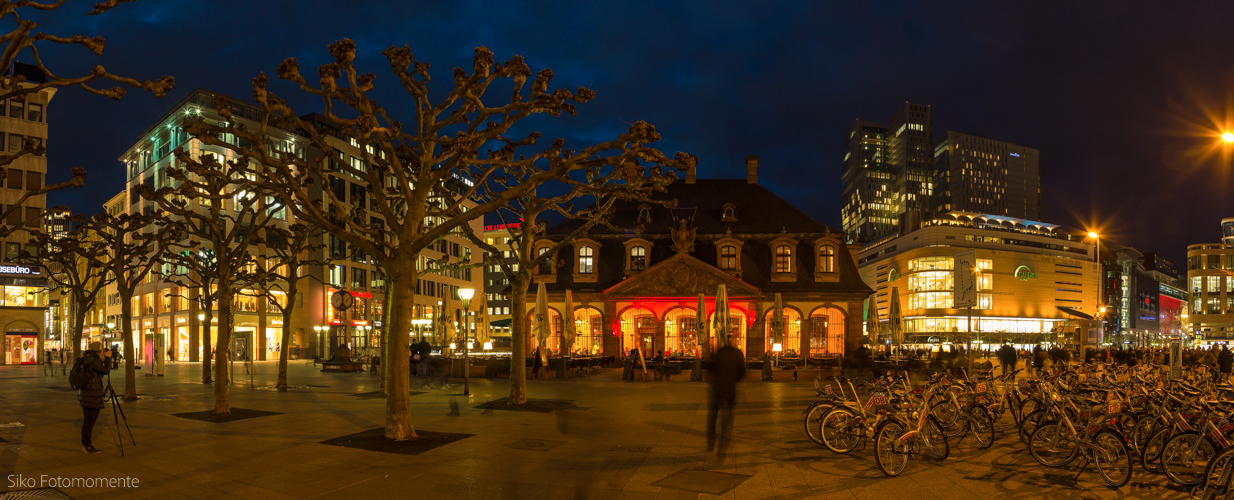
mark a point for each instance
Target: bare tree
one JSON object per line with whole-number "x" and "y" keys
{"x": 71, "y": 263}
{"x": 238, "y": 210}
{"x": 523, "y": 222}
{"x": 423, "y": 174}
{"x": 135, "y": 242}
{"x": 293, "y": 250}
{"x": 23, "y": 41}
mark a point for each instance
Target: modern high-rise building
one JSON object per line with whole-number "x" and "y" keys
{"x": 981, "y": 175}
{"x": 868, "y": 202}
{"x": 910, "y": 146}
{"x": 886, "y": 173}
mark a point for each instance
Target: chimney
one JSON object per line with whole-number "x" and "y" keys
{"x": 752, "y": 169}
{"x": 690, "y": 174}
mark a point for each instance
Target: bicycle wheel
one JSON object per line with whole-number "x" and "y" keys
{"x": 983, "y": 426}
{"x": 1143, "y": 429}
{"x": 1030, "y": 424}
{"x": 935, "y": 439}
{"x": 1113, "y": 459}
{"x": 1053, "y": 445}
{"x": 814, "y": 418}
{"x": 1123, "y": 421}
{"x": 892, "y": 458}
{"x": 949, "y": 416}
{"x": 1150, "y": 455}
{"x": 1218, "y": 476}
{"x": 840, "y": 430}
{"x": 1185, "y": 456}
{"x": 1028, "y": 406}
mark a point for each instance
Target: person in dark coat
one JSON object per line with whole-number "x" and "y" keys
{"x": 1007, "y": 356}
{"x": 1038, "y": 359}
{"x": 728, "y": 366}
{"x": 1224, "y": 362}
{"x": 426, "y": 354}
{"x": 536, "y": 364}
{"x": 90, "y": 396}
{"x": 47, "y": 363}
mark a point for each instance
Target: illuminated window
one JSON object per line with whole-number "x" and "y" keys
{"x": 546, "y": 265}
{"x": 1214, "y": 284}
{"x": 728, "y": 258}
{"x": 638, "y": 258}
{"x": 930, "y": 263}
{"x": 930, "y": 300}
{"x": 827, "y": 259}
{"x": 784, "y": 259}
{"x": 930, "y": 281}
{"x": 586, "y": 260}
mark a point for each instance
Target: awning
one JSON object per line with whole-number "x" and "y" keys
{"x": 501, "y": 322}
{"x": 1073, "y": 312}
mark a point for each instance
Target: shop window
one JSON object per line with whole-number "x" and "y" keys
{"x": 931, "y": 263}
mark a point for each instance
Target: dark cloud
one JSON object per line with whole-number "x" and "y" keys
{"x": 1108, "y": 91}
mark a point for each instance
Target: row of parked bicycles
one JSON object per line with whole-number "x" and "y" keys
{"x": 1112, "y": 419}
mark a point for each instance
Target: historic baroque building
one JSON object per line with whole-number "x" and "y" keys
{"x": 638, "y": 285}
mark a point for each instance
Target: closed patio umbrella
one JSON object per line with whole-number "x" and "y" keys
{"x": 894, "y": 320}
{"x": 540, "y": 326}
{"x": 721, "y": 325}
{"x": 700, "y": 327}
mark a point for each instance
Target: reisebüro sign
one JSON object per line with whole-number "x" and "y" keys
{"x": 19, "y": 270}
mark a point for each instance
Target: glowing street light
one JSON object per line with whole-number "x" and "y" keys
{"x": 1227, "y": 137}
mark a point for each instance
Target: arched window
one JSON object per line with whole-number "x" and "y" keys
{"x": 638, "y": 258}
{"x": 586, "y": 260}
{"x": 827, "y": 259}
{"x": 728, "y": 258}
{"x": 784, "y": 259}
{"x": 728, "y": 212}
{"x": 644, "y": 214}
{"x": 546, "y": 265}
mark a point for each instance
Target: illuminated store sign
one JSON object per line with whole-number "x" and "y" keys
{"x": 18, "y": 269}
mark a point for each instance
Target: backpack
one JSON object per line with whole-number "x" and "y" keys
{"x": 77, "y": 376}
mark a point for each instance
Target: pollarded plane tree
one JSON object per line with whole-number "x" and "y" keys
{"x": 71, "y": 264}
{"x": 219, "y": 234}
{"x": 289, "y": 256}
{"x": 423, "y": 173}
{"x": 135, "y": 243}
{"x": 524, "y": 223}
{"x": 32, "y": 76}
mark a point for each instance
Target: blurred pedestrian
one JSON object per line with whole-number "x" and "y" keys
{"x": 47, "y": 366}
{"x": 728, "y": 366}
{"x": 1224, "y": 362}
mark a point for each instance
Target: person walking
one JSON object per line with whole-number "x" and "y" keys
{"x": 90, "y": 396}
{"x": 413, "y": 358}
{"x": 1038, "y": 359}
{"x": 728, "y": 366}
{"x": 1224, "y": 362}
{"x": 536, "y": 364}
{"x": 1007, "y": 356}
{"x": 63, "y": 370}
{"x": 426, "y": 354}
{"x": 47, "y": 363}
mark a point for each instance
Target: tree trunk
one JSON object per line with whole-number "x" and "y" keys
{"x": 398, "y": 390}
{"x": 221, "y": 351}
{"x": 77, "y": 330}
{"x": 126, "y": 327}
{"x": 518, "y": 332}
{"x": 387, "y": 305}
{"x": 205, "y": 343}
{"x": 288, "y": 308}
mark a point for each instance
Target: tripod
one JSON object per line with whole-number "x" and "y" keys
{"x": 117, "y": 413}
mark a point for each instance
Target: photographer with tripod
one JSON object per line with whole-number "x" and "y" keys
{"x": 90, "y": 395}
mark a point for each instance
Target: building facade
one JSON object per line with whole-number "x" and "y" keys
{"x": 24, "y": 301}
{"x": 168, "y": 319}
{"x": 868, "y": 201}
{"x": 1210, "y": 287}
{"x": 1036, "y": 282}
{"x": 981, "y": 175}
{"x": 910, "y": 145}
{"x": 638, "y": 286}
{"x": 497, "y": 284}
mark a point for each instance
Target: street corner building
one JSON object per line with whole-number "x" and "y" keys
{"x": 637, "y": 285}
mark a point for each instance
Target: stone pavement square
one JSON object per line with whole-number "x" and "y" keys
{"x": 282, "y": 456}
{"x": 529, "y": 444}
{"x": 702, "y": 481}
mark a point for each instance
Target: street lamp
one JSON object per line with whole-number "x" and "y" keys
{"x": 1227, "y": 137}
{"x": 1100, "y": 281}
{"x": 466, "y": 294}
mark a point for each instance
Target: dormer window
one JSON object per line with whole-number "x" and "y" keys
{"x": 728, "y": 257}
{"x": 827, "y": 259}
{"x": 784, "y": 259}
{"x": 644, "y": 214}
{"x": 586, "y": 260}
{"x": 546, "y": 265}
{"x": 729, "y": 213}
{"x": 638, "y": 258}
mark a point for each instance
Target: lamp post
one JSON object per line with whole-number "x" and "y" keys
{"x": 1100, "y": 284}
{"x": 466, "y": 294}
{"x": 319, "y": 329}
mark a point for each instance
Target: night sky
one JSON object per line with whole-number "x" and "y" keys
{"x": 1125, "y": 103}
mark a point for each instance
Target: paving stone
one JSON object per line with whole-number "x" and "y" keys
{"x": 702, "y": 481}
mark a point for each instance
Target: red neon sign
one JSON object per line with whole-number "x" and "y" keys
{"x": 359, "y": 322}
{"x": 363, "y": 295}
{"x": 498, "y": 227}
